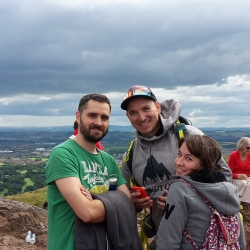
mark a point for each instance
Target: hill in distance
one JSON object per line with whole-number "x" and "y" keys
{"x": 112, "y": 128}
{"x": 62, "y": 128}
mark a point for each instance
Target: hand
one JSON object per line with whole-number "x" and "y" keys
{"x": 162, "y": 200}
{"x": 141, "y": 202}
{"x": 86, "y": 193}
{"x": 242, "y": 176}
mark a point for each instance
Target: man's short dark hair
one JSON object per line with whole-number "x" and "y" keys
{"x": 95, "y": 97}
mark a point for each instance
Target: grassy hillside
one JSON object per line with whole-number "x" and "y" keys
{"x": 35, "y": 198}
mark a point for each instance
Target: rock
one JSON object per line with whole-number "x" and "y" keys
{"x": 16, "y": 218}
{"x": 246, "y": 219}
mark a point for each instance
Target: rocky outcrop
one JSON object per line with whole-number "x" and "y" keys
{"x": 16, "y": 218}
{"x": 246, "y": 219}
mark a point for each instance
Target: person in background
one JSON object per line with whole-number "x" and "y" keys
{"x": 239, "y": 162}
{"x": 197, "y": 163}
{"x": 45, "y": 205}
{"x": 76, "y": 163}
{"x": 99, "y": 145}
{"x": 154, "y": 150}
{"x": 75, "y": 127}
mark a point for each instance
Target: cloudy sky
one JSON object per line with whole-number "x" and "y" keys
{"x": 52, "y": 52}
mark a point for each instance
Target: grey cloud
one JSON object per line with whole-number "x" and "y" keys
{"x": 51, "y": 49}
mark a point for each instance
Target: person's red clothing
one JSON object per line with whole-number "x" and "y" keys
{"x": 98, "y": 144}
{"x": 238, "y": 166}
{"x": 76, "y": 131}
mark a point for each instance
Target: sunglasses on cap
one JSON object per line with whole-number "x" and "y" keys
{"x": 136, "y": 91}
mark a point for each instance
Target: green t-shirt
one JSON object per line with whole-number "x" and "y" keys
{"x": 69, "y": 159}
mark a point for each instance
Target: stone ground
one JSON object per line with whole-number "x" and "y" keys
{"x": 246, "y": 219}
{"x": 16, "y": 218}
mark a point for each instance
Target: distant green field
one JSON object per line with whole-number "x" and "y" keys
{"x": 28, "y": 182}
{"x": 1, "y": 163}
{"x": 117, "y": 148}
{"x": 33, "y": 159}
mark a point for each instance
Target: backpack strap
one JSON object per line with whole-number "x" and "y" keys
{"x": 129, "y": 155}
{"x": 184, "y": 120}
{"x": 186, "y": 233}
{"x": 201, "y": 195}
{"x": 128, "y": 158}
{"x": 180, "y": 129}
{"x": 190, "y": 239}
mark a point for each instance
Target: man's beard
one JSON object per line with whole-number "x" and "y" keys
{"x": 91, "y": 136}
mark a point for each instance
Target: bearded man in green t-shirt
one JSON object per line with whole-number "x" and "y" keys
{"x": 76, "y": 163}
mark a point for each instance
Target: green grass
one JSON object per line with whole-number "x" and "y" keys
{"x": 225, "y": 157}
{"x": 34, "y": 158}
{"x": 118, "y": 148}
{"x": 4, "y": 191}
{"x": 34, "y": 198}
{"x": 28, "y": 182}
{"x": 1, "y": 163}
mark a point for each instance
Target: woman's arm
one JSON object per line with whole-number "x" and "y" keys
{"x": 173, "y": 221}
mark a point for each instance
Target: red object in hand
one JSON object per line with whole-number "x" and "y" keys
{"x": 141, "y": 190}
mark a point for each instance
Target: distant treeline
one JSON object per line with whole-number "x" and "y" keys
{"x": 21, "y": 178}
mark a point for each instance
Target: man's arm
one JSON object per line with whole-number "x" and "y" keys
{"x": 87, "y": 210}
{"x": 174, "y": 219}
{"x": 125, "y": 190}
